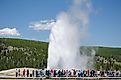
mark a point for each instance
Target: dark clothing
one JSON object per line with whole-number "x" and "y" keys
{"x": 24, "y": 72}
{"x": 27, "y": 73}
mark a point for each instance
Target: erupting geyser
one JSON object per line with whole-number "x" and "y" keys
{"x": 65, "y": 37}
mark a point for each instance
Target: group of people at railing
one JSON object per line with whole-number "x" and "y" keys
{"x": 66, "y": 73}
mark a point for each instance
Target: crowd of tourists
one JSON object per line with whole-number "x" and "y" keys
{"x": 66, "y": 73}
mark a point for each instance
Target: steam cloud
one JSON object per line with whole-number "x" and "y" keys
{"x": 67, "y": 31}
{"x": 65, "y": 37}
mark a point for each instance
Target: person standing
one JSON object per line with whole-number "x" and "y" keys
{"x": 16, "y": 73}
{"x": 24, "y": 72}
{"x": 27, "y": 73}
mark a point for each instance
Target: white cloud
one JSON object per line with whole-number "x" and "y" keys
{"x": 42, "y": 25}
{"x": 9, "y": 32}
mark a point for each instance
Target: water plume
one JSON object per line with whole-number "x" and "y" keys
{"x": 65, "y": 38}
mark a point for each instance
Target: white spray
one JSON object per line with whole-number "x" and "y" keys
{"x": 65, "y": 37}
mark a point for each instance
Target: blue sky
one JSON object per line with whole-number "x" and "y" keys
{"x": 104, "y": 22}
